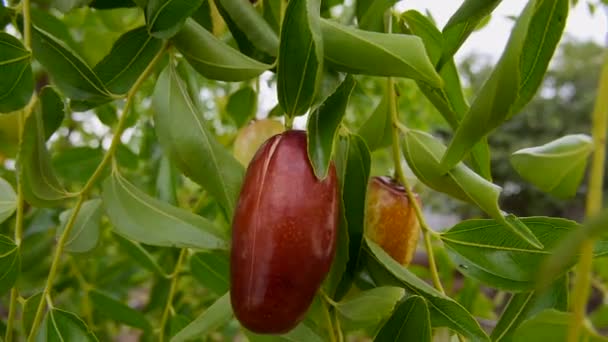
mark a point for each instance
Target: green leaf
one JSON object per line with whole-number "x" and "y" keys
{"x": 302, "y": 332}
{"x": 370, "y": 14}
{"x": 356, "y": 172}
{"x": 323, "y": 124}
{"x": 9, "y": 134}
{"x": 167, "y": 181}
{"x": 69, "y": 71}
{"x": 372, "y": 306}
{"x": 85, "y": 232}
{"x": 60, "y": 325}
{"x": 251, "y": 23}
{"x": 449, "y": 100}
{"x": 515, "y": 79}
{"x": 497, "y": 257}
{"x": 242, "y": 105}
{"x": 8, "y": 200}
{"x": 557, "y": 167}
{"x": 445, "y": 312}
{"x": 40, "y": 185}
{"x": 377, "y": 129}
{"x": 552, "y": 325}
{"x": 218, "y": 314}
{"x": 423, "y": 152}
{"x": 54, "y": 110}
{"x": 214, "y": 59}
{"x": 463, "y": 23}
{"x": 300, "y": 61}
{"x": 10, "y": 264}
{"x": 140, "y": 255}
{"x": 524, "y": 305}
{"x": 29, "y": 311}
{"x": 378, "y": 54}
{"x": 182, "y": 132}
{"x": 166, "y": 17}
{"x": 118, "y": 311}
{"x": 17, "y": 82}
{"x": 77, "y": 164}
{"x": 411, "y": 321}
{"x": 129, "y": 57}
{"x": 212, "y": 270}
{"x": 140, "y": 217}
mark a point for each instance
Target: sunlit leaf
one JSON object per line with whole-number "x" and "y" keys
{"x": 166, "y": 17}
{"x": 370, "y": 307}
{"x": 552, "y": 325}
{"x": 218, "y": 314}
{"x": 371, "y": 13}
{"x": 410, "y": 322}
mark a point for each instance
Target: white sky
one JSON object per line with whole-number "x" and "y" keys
{"x": 492, "y": 38}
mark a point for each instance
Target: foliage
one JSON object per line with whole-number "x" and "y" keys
{"x": 119, "y": 181}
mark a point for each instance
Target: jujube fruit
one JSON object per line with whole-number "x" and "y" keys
{"x": 284, "y": 236}
{"x": 390, "y": 219}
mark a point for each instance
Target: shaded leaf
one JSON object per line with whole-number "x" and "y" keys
{"x": 522, "y": 306}
{"x": 557, "y": 167}
{"x": 410, "y": 322}
{"x": 377, "y": 129}
{"x": 118, "y": 311}
{"x": 53, "y": 110}
{"x": 10, "y": 264}
{"x": 515, "y": 79}
{"x": 372, "y": 306}
{"x": 29, "y": 311}
{"x": 84, "y": 234}
{"x": 145, "y": 219}
{"x": 378, "y": 54}
{"x": 60, "y": 325}
{"x": 166, "y": 17}
{"x": 183, "y": 133}
{"x": 140, "y": 255}
{"x": 8, "y": 200}
{"x": 300, "y": 61}
{"x": 445, "y": 312}
{"x": 129, "y": 57}
{"x": 423, "y": 152}
{"x": 212, "y": 270}
{"x": 552, "y": 325}
{"x": 371, "y": 13}
{"x": 218, "y": 314}
{"x": 323, "y": 125}
{"x": 212, "y": 58}
{"x": 17, "y": 82}
{"x": 302, "y": 332}
{"x": 77, "y": 164}
{"x": 242, "y": 105}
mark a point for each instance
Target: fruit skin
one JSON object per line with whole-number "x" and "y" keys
{"x": 252, "y": 136}
{"x": 284, "y": 236}
{"x": 390, "y": 220}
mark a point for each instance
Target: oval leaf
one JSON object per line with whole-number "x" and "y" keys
{"x": 499, "y": 258}
{"x": 140, "y": 255}
{"x": 183, "y": 133}
{"x": 378, "y": 54}
{"x": 515, "y": 79}
{"x": 17, "y": 82}
{"x": 10, "y": 264}
{"x": 166, "y": 17}
{"x": 53, "y": 110}
{"x": 8, "y": 200}
{"x": 423, "y": 152}
{"x": 218, "y": 314}
{"x": 377, "y": 129}
{"x": 29, "y": 311}
{"x": 552, "y": 325}
{"x": 212, "y": 58}
{"x": 70, "y": 72}
{"x": 411, "y": 321}
{"x": 444, "y": 310}
{"x": 300, "y": 63}
{"x": 145, "y": 219}
{"x": 557, "y": 167}
{"x": 129, "y": 57}
{"x": 212, "y": 270}
{"x": 60, "y": 325}
{"x": 117, "y": 311}
{"x": 252, "y": 25}
{"x": 84, "y": 235}
{"x": 323, "y": 124}
{"x": 242, "y": 105}
{"x": 372, "y": 306}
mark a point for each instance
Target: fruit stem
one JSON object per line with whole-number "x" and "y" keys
{"x": 169, "y": 303}
{"x": 85, "y": 190}
{"x": 593, "y": 205}
{"x": 426, "y": 230}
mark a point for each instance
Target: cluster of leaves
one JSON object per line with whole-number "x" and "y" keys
{"x": 149, "y": 216}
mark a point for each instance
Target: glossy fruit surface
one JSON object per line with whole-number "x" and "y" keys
{"x": 251, "y": 137}
{"x": 390, "y": 220}
{"x": 284, "y": 236}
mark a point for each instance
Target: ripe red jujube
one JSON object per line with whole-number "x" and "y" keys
{"x": 284, "y": 236}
